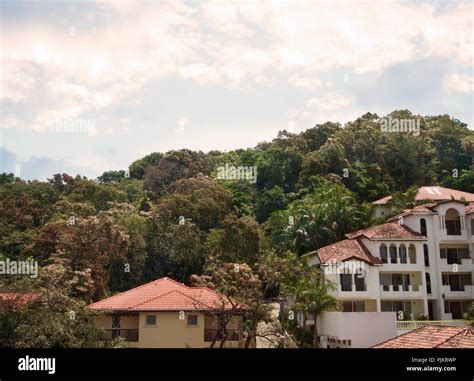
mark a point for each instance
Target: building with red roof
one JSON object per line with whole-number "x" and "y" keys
{"x": 168, "y": 314}
{"x": 418, "y": 265}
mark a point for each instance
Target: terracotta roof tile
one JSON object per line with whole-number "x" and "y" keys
{"x": 434, "y": 193}
{"x": 388, "y": 231}
{"x": 345, "y": 250}
{"x": 164, "y": 294}
{"x": 432, "y": 336}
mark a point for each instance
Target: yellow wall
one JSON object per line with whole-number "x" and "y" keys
{"x": 126, "y": 322}
{"x": 170, "y": 331}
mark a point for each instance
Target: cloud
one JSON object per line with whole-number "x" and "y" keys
{"x": 329, "y": 101}
{"x": 459, "y": 82}
{"x": 234, "y": 45}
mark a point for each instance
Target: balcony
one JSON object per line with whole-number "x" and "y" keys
{"x": 400, "y": 291}
{"x": 215, "y": 334}
{"x": 454, "y": 235}
{"x": 463, "y": 265}
{"x": 466, "y": 291}
{"x": 127, "y": 334}
{"x": 399, "y": 265}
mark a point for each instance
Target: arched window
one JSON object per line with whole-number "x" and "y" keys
{"x": 426, "y": 255}
{"x": 383, "y": 253}
{"x": 403, "y": 253}
{"x": 423, "y": 227}
{"x": 412, "y": 253}
{"x": 428, "y": 283}
{"x": 453, "y": 222}
{"x": 393, "y": 253}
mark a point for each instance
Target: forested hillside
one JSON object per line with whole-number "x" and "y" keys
{"x": 169, "y": 215}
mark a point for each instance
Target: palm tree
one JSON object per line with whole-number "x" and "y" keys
{"x": 313, "y": 297}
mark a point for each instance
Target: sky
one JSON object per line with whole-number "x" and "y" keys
{"x": 87, "y": 87}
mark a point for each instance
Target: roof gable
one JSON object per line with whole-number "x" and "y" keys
{"x": 345, "y": 250}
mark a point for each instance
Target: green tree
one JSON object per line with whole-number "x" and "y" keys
{"x": 312, "y": 298}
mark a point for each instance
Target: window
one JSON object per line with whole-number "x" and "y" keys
{"x": 428, "y": 283}
{"x": 403, "y": 254}
{"x": 346, "y": 282}
{"x": 150, "y": 319}
{"x": 192, "y": 319}
{"x": 456, "y": 282}
{"x": 412, "y": 253}
{"x": 454, "y": 255}
{"x": 423, "y": 227}
{"x": 115, "y": 322}
{"x": 383, "y": 253}
{"x": 442, "y": 253}
{"x": 426, "y": 255}
{"x": 453, "y": 222}
{"x": 472, "y": 226}
{"x": 393, "y": 254}
{"x": 395, "y": 306}
{"x": 359, "y": 282}
{"x": 385, "y": 281}
{"x": 353, "y": 306}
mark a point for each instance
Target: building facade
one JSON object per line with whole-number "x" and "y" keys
{"x": 417, "y": 265}
{"x": 168, "y": 314}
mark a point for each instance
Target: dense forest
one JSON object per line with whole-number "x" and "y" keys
{"x": 169, "y": 214}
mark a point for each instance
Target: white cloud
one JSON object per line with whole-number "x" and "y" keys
{"x": 460, "y": 83}
{"x": 305, "y": 82}
{"x": 329, "y": 101}
{"x": 231, "y": 44}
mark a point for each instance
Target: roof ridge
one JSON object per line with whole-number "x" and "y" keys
{"x": 460, "y": 332}
{"x": 128, "y": 291}
{"x": 169, "y": 292}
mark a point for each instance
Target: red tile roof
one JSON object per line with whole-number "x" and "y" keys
{"x": 388, "y": 231}
{"x": 434, "y": 193}
{"x": 432, "y": 336}
{"x": 164, "y": 294}
{"x": 345, "y": 250}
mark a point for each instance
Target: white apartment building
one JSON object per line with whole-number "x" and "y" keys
{"x": 418, "y": 265}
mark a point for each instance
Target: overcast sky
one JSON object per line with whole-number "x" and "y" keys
{"x": 88, "y": 86}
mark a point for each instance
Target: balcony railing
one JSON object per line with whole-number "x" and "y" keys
{"x": 211, "y": 334}
{"x": 400, "y": 288}
{"x": 127, "y": 334}
{"x": 414, "y": 324}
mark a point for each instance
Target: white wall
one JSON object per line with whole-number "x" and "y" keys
{"x": 364, "y": 329}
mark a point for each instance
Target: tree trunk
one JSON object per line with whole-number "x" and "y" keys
{"x": 315, "y": 335}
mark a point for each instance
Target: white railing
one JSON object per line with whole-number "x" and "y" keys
{"x": 414, "y": 324}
